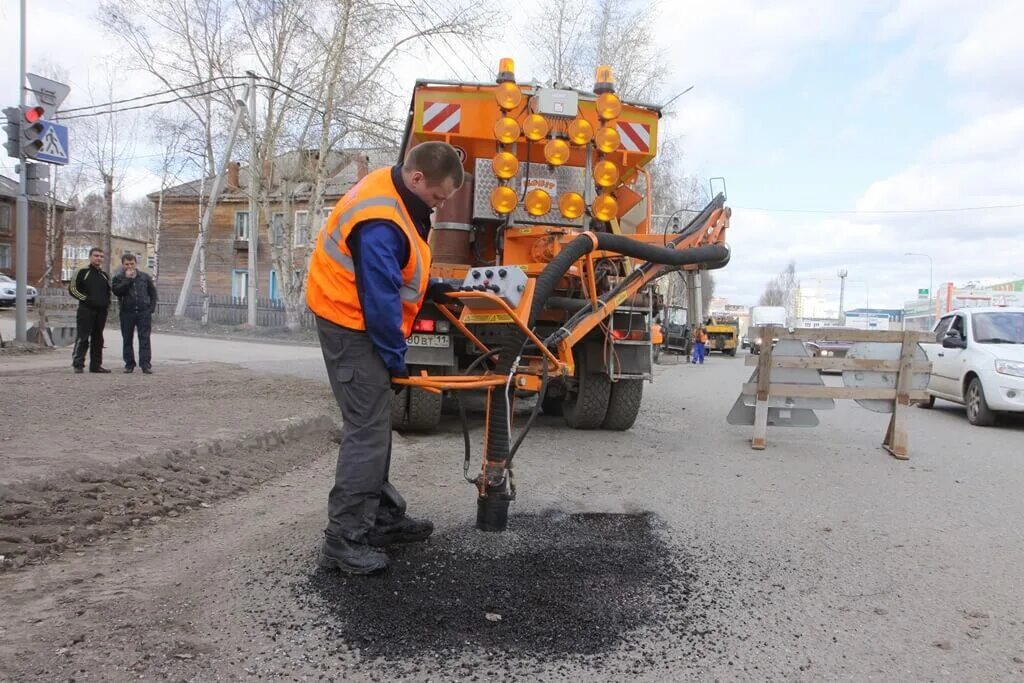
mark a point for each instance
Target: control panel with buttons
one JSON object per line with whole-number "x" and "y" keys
{"x": 506, "y": 282}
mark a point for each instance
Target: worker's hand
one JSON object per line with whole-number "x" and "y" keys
{"x": 401, "y": 374}
{"x": 438, "y": 291}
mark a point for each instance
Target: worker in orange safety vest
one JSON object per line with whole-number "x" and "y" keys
{"x": 369, "y": 275}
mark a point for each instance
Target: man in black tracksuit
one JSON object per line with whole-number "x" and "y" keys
{"x": 137, "y": 294}
{"x": 92, "y": 289}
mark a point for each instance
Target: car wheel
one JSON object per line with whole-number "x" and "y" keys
{"x": 928, "y": 403}
{"x": 978, "y": 413}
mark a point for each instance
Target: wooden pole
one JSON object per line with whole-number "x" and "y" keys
{"x": 896, "y": 435}
{"x": 764, "y": 368}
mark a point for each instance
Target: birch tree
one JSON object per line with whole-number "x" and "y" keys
{"x": 328, "y": 69}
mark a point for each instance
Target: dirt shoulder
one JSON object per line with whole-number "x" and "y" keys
{"x": 84, "y": 455}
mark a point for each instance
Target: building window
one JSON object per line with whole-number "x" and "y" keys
{"x": 273, "y": 293}
{"x": 241, "y": 225}
{"x": 301, "y": 228}
{"x": 67, "y": 273}
{"x": 276, "y": 228}
{"x": 151, "y": 261}
{"x": 83, "y": 253}
{"x": 239, "y": 283}
{"x": 5, "y": 219}
{"x": 5, "y": 256}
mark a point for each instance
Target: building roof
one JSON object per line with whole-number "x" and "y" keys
{"x": 9, "y": 188}
{"x": 343, "y": 169}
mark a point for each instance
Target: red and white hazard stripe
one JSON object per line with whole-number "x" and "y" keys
{"x": 441, "y": 117}
{"x": 636, "y": 137}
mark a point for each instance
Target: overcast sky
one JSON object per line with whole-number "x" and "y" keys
{"x": 822, "y": 116}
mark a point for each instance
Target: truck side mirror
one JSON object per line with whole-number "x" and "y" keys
{"x": 953, "y": 340}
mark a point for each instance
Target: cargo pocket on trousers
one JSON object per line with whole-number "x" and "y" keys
{"x": 344, "y": 375}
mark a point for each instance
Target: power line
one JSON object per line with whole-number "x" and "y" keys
{"x": 152, "y": 94}
{"x": 882, "y": 212}
{"x": 308, "y": 100}
{"x": 147, "y": 105}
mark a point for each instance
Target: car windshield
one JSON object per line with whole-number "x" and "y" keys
{"x": 677, "y": 316}
{"x": 4, "y": 278}
{"x": 998, "y": 328}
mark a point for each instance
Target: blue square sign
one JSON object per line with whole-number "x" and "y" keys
{"x": 55, "y": 144}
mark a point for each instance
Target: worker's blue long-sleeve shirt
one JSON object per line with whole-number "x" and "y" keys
{"x": 380, "y": 251}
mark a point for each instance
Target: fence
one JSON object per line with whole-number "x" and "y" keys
{"x": 884, "y": 375}
{"x": 222, "y": 310}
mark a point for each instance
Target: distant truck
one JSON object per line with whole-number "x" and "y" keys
{"x": 723, "y": 334}
{"x": 763, "y": 316}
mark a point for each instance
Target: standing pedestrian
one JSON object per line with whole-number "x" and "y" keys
{"x": 368, "y": 278}
{"x": 137, "y": 294}
{"x": 700, "y": 340}
{"x": 92, "y": 289}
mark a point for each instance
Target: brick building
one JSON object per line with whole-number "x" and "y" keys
{"x": 36, "y": 233}
{"x": 227, "y": 249}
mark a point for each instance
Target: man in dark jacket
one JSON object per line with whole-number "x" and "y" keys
{"x": 92, "y": 289}
{"x": 137, "y": 294}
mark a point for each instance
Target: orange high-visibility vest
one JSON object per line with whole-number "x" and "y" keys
{"x": 331, "y": 281}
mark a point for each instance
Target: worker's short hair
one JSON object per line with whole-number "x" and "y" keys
{"x": 94, "y": 250}
{"x": 436, "y": 161}
{"x": 127, "y": 256}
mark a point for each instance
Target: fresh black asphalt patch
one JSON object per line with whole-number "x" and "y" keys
{"x": 553, "y": 585}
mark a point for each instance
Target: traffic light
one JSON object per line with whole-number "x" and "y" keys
{"x": 25, "y": 128}
{"x": 32, "y": 129}
{"x": 13, "y": 130}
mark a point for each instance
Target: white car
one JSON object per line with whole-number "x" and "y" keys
{"x": 8, "y": 292}
{"x": 978, "y": 361}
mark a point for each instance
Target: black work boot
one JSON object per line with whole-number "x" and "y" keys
{"x": 405, "y": 530}
{"x": 351, "y": 558}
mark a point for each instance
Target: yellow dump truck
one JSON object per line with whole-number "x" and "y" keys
{"x": 723, "y": 335}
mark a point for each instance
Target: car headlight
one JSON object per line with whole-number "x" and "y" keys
{"x": 1010, "y": 367}
{"x": 9, "y": 292}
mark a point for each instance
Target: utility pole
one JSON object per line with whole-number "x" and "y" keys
{"x": 254, "y": 223}
{"x": 842, "y": 297}
{"x": 21, "y": 208}
{"x": 218, "y": 184}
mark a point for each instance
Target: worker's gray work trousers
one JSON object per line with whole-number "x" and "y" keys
{"x": 361, "y": 496}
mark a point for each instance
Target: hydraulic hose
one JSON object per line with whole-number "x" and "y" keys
{"x": 584, "y": 244}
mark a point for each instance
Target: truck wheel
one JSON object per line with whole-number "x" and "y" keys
{"x": 978, "y": 413}
{"x": 732, "y": 352}
{"x": 624, "y": 404}
{"x": 416, "y": 410}
{"x": 586, "y": 408}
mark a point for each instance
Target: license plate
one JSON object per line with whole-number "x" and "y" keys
{"x": 441, "y": 341}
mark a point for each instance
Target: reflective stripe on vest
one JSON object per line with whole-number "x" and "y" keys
{"x": 331, "y": 242}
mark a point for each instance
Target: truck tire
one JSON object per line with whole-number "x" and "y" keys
{"x": 978, "y": 412}
{"x": 731, "y": 352}
{"x": 624, "y": 404}
{"x": 586, "y": 408}
{"x": 416, "y": 410}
